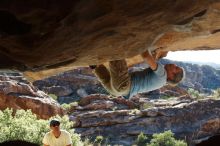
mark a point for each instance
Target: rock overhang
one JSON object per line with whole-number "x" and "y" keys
{"x": 53, "y": 36}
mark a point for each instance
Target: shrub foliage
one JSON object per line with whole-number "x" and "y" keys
{"x": 166, "y": 139}
{"x": 161, "y": 139}
{"x": 141, "y": 139}
{"x": 25, "y": 126}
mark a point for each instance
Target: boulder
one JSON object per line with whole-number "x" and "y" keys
{"x": 58, "y": 90}
{"x": 16, "y": 94}
{"x": 72, "y": 85}
{"x": 188, "y": 119}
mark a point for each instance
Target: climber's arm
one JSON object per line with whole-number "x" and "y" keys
{"x": 150, "y": 60}
{"x": 159, "y": 53}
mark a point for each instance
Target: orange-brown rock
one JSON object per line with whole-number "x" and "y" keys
{"x": 17, "y": 93}
{"x": 43, "y": 108}
{"x": 42, "y": 34}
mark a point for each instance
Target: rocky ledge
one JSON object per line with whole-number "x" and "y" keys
{"x": 43, "y": 34}
{"x": 120, "y": 122}
{"x": 17, "y": 93}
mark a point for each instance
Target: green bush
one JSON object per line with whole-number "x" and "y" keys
{"x": 165, "y": 139}
{"x": 66, "y": 106}
{"x": 53, "y": 96}
{"x": 25, "y": 126}
{"x": 194, "y": 93}
{"x": 69, "y": 107}
{"x": 134, "y": 111}
{"x": 161, "y": 139}
{"x": 99, "y": 139}
{"x": 141, "y": 139}
{"x": 166, "y": 97}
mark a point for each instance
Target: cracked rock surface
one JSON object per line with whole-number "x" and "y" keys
{"x": 190, "y": 120}
{"x": 17, "y": 93}
{"x": 39, "y": 35}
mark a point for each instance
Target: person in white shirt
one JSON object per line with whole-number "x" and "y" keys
{"x": 57, "y": 137}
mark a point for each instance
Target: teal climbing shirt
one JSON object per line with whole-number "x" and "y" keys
{"x": 147, "y": 80}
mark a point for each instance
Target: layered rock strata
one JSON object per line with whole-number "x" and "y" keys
{"x": 190, "y": 120}
{"x": 17, "y": 93}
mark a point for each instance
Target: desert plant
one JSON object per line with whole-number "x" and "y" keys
{"x": 53, "y": 96}
{"x": 134, "y": 111}
{"x": 25, "y": 126}
{"x": 165, "y": 139}
{"x": 161, "y": 139}
{"x": 99, "y": 139}
{"x": 194, "y": 93}
{"x": 141, "y": 139}
{"x": 66, "y": 106}
{"x": 166, "y": 97}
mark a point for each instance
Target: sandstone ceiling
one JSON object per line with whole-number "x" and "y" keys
{"x": 39, "y": 35}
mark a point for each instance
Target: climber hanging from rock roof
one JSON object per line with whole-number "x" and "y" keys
{"x": 119, "y": 82}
